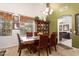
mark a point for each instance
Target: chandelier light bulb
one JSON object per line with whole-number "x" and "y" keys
{"x": 47, "y": 9}
{"x": 45, "y": 13}
{"x": 51, "y": 10}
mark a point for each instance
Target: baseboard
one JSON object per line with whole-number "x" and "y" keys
{"x": 4, "y": 47}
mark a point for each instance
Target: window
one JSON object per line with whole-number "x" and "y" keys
{"x": 6, "y": 30}
{"x": 1, "y": 21}
{"x": 5, "y": 24}
{"x": 5, "y": 27}
{"x": 26, "y": 26}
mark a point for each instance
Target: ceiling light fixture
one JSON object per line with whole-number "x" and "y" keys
{"x": 48, "y": 11}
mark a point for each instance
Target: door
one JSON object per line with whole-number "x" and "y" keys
{"x": 64, "y": 25}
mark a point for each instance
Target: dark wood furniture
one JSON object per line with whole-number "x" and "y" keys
{"x": 64, "y": 35}
{"x": 42, "y": 44}
{"x": 23, "y": 45}
{"x": 42, "y": 26}
{"x": 30, "y": 34}
{"x": 52, "y": 41}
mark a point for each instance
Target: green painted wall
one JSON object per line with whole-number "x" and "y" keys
{"x": 73, "y": 8}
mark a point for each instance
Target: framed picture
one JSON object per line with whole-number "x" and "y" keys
{"x": 60, "y": 27}
{"x": 66, "y": 27}
{"x": 16, "y": 24}
{"x": 77, "y": 24}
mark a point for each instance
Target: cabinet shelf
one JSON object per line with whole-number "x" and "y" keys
{"x": 42, "y": 26}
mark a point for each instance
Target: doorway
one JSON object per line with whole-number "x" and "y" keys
{"x": 64, "y": 25}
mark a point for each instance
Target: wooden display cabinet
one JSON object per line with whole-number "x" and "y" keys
{"x": 42, "y": 26}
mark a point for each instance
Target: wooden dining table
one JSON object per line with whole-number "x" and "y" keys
{"x": 30, "y": 41}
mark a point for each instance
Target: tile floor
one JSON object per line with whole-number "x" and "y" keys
{"x": 61, "y": 51}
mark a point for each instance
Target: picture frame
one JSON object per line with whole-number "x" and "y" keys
{"x": 60, "y": 27}
{"x": 77, "y": 24}
{"x": 16, "y": 24}
{"x": 66, "y": 27}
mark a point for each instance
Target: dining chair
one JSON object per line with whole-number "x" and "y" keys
{"x": 22, "y": 45}
{"x": 2, "y": 52}
{"x": 29, "y": 34}
{"x": 42, "y": 44}
{"x": 53, "y": 41}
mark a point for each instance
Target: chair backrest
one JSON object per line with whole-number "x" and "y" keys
{"x": 53, "y": 39}
{"x": 29, "y": 34}
{"x": 35, "y": 33}
{"x": 43, "y": 42}
{"x": 2, "y": 52}
{"x": 19, "y": 40}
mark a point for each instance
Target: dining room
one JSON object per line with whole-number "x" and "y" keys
{"x": 31, "y": 29}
